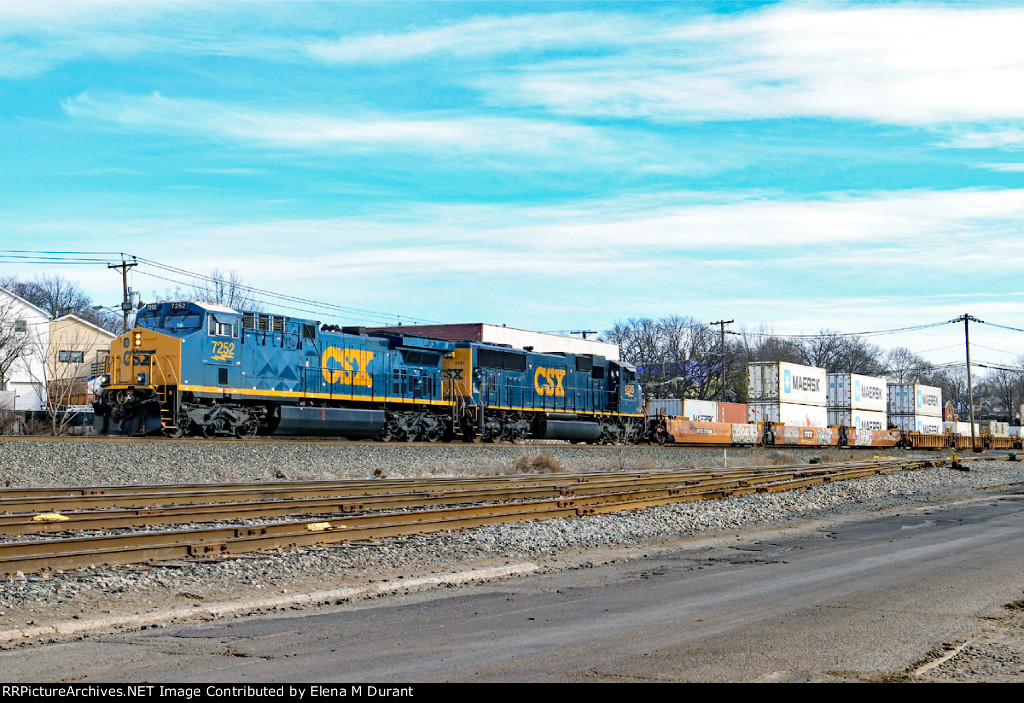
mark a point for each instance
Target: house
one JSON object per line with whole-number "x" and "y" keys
{"x": 24, "y": 345}
{"x": 75, "y": 355}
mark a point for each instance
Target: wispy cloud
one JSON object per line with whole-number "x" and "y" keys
{"x": 556, "y": 144}
{"x": 896, "y": 65}
{"x": 490, "y": 36}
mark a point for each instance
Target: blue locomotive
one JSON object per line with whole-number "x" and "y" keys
{"x": 199, "y": 368}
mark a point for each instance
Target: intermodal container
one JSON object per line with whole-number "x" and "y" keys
{"x": 861, "y": 419}
{"x": 915, "y": 399}
{"x": 998, "y": 429}
{"x": 927, "y": 424}
{"x": 732, "y": 412}
{"x": 788, "y": 414}
{"x": 856, "y": 392}
{"x": 696, "y": 410}
{"x": 780, "y": 382}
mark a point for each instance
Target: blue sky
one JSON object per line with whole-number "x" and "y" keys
{"x": 553, "y": 166}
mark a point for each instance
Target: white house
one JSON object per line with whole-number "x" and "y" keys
{"x": 24, "y": 345}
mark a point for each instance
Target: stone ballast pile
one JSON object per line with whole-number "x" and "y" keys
{"x": 25, "y": 463}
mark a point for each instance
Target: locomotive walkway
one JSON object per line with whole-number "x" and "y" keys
{"x": 348, "y": 511}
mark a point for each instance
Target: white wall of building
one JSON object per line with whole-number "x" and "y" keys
{"x": 26, "y": 376}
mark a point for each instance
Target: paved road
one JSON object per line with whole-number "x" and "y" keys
{"x": 861, "y": 601}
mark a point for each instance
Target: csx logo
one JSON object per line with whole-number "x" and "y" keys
{"x": 347, "y": 366}
{"x": 452, "y": 374}
{"x": 548, "y": 381}
{"x": 138, "y": 357}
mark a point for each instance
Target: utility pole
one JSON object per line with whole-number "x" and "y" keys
{"x": 584, "y": 332}
{"x": 721, "y": 326}
{"x": 126, "y": 304}
{"x": 970, "y": 386}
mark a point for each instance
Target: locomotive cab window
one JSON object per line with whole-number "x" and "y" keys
{"x": 222, "y": 328}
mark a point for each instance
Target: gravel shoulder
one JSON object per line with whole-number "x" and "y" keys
{"x": 38, "y": 609}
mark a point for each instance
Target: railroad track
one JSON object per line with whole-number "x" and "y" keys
{"x": 103, "y": 525}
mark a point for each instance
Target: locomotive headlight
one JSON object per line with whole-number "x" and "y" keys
{"x": 104, "y": 380}
{"x": 141, "y": 378}
{"x": 138, "y": 339}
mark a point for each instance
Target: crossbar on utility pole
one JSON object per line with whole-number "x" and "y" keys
{"x": 721, "y": 326}
{"x": 126, "y": 304}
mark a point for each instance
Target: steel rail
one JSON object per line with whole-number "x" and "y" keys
{"x": 75, "y": 552}
{"x": 269, "y": 506}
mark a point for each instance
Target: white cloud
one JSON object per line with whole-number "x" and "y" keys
{"x": 554, "y": 144}
{"x": 487, "y": 36}
{"x": 891, "y": 64}
{"x": 1004, "y": 168}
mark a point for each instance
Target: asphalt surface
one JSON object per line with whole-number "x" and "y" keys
{"x": 865, "y": 600}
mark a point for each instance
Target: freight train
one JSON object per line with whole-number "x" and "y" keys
{"x": 190, "y": 368}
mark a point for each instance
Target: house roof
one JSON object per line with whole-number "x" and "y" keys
{"x": 76, "y": 318}
{"x": 24, "y": 302}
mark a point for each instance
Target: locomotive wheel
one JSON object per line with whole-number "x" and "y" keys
{"x": 209, "y": 431}
{"x": 175, "y": 432}
{"x": 247, "y": 430}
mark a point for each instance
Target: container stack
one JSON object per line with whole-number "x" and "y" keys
{"x": 786, "y": 393}
{"x": 857, "y": 401}
{"x": 915, "y": 408}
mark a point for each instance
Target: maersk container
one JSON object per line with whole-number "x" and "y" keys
{"x": 915, "y": 399}
{"x": 856, "y": 392}
{"x": 861, "y": 419}
{"x": 788, "y": 414}
{"x": 781, "y": 382}
{"x": 928, "y": 424}
{"x": 696, "y": 410}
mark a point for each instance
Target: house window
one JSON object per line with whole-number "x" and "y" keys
{"x": 71, "y": 357}
{"x": 20, "y": 326}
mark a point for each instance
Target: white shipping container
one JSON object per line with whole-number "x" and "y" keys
{"x": 696, "y": 410}
{"x": 850, "y": 390}
{"x": 963, "y": 428}
{"x": 998, "y": 429}
{"x": 928, "y": 424}
{"x": 788, "y": 414}
{"x": 700, "y": 410}
{"x": 861, "y": 419}
{"x": 6, "y": 400}
{"x": 781, "y": 382}
{"x": 915, "y": 399}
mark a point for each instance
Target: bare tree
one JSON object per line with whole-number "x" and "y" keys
{"x": 675, "y": 356}
{"x": 904, "y": 366}
{"x": 228, "y": 289}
